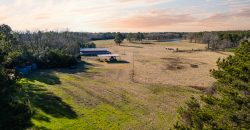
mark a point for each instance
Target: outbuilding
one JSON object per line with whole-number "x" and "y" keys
{"x": 94, "y": 51}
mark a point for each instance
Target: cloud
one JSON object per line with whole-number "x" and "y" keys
{"x": 151, "y": 19}
{"x": 222, "y": 17}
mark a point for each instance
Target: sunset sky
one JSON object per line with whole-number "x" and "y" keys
{"x": 126, "y": 15}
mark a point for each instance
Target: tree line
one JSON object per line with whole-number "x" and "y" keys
{"x": 164, "y": 36}
{"x": 154, "y": 36}
{"x": 101, "y": 36}
{"x": 46, "y": 49}
{"x": 219, "y": 39}
{"x": 131, "y": 37}
{"x": 140, "y": 36}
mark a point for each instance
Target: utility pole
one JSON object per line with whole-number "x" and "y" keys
{"x": 133, "y": 68}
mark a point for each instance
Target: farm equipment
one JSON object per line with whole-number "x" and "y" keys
{"x": 108, "y": 57}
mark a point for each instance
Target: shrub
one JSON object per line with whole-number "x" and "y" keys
{"x": 55, "y": 58}
{"x": 88, "y": 45}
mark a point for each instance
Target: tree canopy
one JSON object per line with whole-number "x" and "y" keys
{"x": 219, "y": 39}
{"x": 118, "y": 38}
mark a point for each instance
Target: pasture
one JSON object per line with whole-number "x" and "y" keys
{"x": 154, "y": 64}
{"x": 98, "y": 95}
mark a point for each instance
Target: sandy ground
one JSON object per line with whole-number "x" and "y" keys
{"x": 153, "y": 64}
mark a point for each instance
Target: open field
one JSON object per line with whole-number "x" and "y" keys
{"x": 97, "y": 95}
{"x": 154, "y": 64}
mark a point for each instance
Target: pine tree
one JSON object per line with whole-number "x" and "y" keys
{"x": 228, "y": 106}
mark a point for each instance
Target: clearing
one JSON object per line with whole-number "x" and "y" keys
{"x": 97, "y": 95}
{"x": 154, "y": 64}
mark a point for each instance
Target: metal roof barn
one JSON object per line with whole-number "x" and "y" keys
{"x": 94, "y": 51}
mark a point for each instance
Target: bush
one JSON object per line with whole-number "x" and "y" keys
{"x": 13, "y": 59}
{"x": 55, "y": 58}
{"x": 88, "y": 45}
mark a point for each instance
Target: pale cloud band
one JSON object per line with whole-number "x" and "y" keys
{"x": 126, "y": 15}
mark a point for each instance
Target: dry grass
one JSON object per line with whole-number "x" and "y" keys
{"x": 154, "y": 64}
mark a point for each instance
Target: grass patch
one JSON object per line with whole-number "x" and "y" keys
{"x": 55, "y": 109}
{"x": 231, "y": 49}
{"x": 157, "y": 89}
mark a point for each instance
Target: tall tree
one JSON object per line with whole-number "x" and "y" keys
{"x": 118, "y": 38}
{"x": 15, "y": 114}
{"x": 227, "y": 107}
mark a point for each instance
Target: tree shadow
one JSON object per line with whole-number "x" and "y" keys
{"x": 46, "y": 101}
{"x": 41, "y": 99}
{"x": 82, "y": 66}
{"x": 46, "y": 77}
{"x": 143, "y": 42}
{"x": 118, "y": 62}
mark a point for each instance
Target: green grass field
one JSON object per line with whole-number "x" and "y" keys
{"x": 75, "y": 99}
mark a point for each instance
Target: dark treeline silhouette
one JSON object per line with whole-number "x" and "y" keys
{"x": 164, "y": 36}
{"x": 219, "y": 39}
{"x": 101, "y": 36}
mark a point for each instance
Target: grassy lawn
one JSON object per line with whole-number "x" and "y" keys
{"x": 75, "y": 99}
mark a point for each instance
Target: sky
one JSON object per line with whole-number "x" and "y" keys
{"x": 126, "y": 15}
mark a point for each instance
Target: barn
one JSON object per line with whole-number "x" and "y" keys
{"x": 94, "y": 51}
